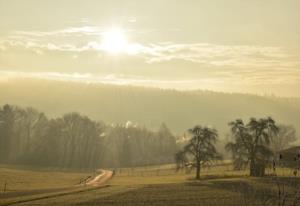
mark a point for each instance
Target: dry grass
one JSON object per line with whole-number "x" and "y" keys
{"x": 162, "y": 186}
{"x": 20, "y": 179}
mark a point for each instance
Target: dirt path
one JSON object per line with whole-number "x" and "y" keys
{"x": 99, "y": 180}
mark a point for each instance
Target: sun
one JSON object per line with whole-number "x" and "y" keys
{"x": 114, "y": 41}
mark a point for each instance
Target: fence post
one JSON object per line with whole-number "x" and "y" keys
{"x": 5, "y": 185}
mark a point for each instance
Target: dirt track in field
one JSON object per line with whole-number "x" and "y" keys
{"x": 97, "y": 181}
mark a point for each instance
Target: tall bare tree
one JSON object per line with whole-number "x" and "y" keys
{"x": 201, "y": 146}
{"x": 251, "y": 143}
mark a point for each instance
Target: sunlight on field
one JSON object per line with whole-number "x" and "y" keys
{"x": 25, "y": 179}
{"x": 219, "y": 169}
{"x": 169, "y": 190}
{"x": 159, "y": 184}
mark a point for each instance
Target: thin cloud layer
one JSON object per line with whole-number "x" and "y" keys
{"x": 201, "y": 53}
{"x": 205, "y": 65}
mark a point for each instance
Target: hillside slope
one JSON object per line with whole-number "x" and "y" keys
{"x": 146, "y": 106}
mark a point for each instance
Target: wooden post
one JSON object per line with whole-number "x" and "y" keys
{"x": 5, "y": 185}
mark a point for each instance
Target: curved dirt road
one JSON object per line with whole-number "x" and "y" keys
{"x": 99, "y": 180}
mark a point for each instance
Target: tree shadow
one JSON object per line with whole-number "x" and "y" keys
{"x": 247, "y": 192}
{"x": 292, "y": 182}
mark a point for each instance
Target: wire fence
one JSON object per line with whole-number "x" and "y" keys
{"x": 219, "y": 170}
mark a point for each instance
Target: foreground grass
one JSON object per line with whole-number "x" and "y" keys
{"x": 162, "y": 186}
{"x": 131, "y": 191}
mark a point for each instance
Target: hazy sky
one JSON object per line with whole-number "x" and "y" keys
{"x": 224, "y": 45}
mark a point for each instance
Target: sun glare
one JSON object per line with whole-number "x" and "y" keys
{"x": 115, "y": 41}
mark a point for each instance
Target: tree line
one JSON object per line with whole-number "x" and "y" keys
{"x": 28, "y": 136}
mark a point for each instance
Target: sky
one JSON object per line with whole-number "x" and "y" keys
{"x": 220, "y": 45}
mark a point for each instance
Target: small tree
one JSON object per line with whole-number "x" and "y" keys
{"x": 180, "y": 160}
{"x": 251, "y": 143}
{"x": 201, "y": 146}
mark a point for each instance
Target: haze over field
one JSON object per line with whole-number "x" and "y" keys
{"x": 227, "y": 45}
{"x": 160, "y": 102}
{"x": 146, "y": 106}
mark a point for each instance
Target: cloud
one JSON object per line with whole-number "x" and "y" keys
{"x": 88, "y": 38}
{"x": 220, "y": 55}
{"x": 201, "y": 53}
{"x": 92, "y": 78}
{"x": 71, "y": 31}
{"x": 210, "y": 83}
{"x": 249, "y": 64}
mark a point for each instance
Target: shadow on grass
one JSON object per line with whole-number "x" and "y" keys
{"x": 212, "y": 177}
{"x": 293, "y": 182}
{"x": 268, "y": 190}
{"x": 247, "y": 190}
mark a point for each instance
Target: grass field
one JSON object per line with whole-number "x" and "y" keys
{"x": 13, "y": 179}
{"x": 161, "y": 185}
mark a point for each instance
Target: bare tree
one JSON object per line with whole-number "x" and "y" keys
{"x": 251, "y": 142}
{"x": 201, "y": 146}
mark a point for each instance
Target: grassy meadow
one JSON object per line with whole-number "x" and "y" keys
{"x": 162, "y": 185}
{"x": 26, "y": 178}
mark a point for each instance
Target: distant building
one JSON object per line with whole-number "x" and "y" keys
{"x": 290, "y": 157}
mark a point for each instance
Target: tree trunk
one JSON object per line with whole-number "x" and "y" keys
{"x": 198, "y": 170}
{"x": 252, "y": 168}
{"x": 257, "y": 169}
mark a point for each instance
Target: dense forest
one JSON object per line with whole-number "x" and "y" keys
{"x": 74, "y": 141}
{"x": 147, "y": 106}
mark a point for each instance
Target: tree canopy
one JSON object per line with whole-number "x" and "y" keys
{"x": 75, "y": 141}
{"x": 251, "y": 142}
{"x": 201, "y": 147}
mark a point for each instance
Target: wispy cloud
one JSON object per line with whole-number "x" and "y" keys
{"x": 210, "y": 83}
{"x": 81, "y": 31}
{"x": 242, "y": 56}
{"x": 220, "y": 55}
{"x": 249, "y": 64}
{"x": 116, "y": 79}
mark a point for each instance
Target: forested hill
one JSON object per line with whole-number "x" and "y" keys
{"x": 146, "y": 106}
